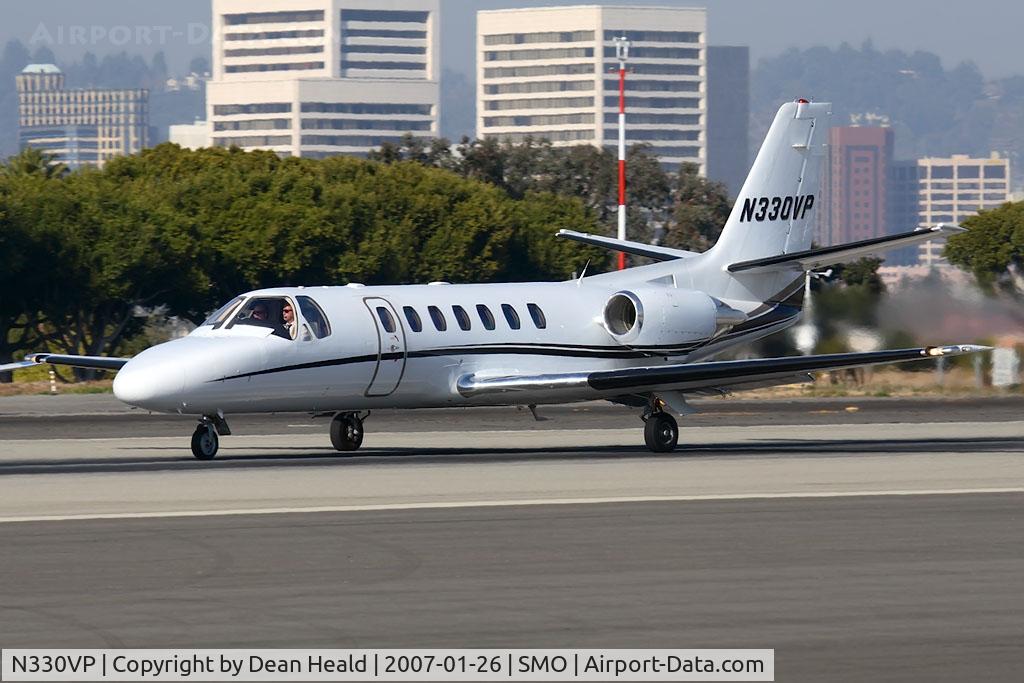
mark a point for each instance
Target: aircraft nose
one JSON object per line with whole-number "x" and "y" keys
{"x": 151, "y": 381}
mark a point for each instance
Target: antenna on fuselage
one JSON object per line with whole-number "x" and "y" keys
{"x": 583, "y": 273}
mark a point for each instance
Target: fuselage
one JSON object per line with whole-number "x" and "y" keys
{"x": 355, "y": 348}
{"x": 406, "y": 346}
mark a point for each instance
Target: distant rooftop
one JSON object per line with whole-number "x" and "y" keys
{"x": 41, "y": 69}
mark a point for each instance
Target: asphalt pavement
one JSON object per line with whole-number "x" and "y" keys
{"x": 862, "y": 540}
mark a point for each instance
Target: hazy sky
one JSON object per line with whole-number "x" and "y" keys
{"x": 987, "y": 32}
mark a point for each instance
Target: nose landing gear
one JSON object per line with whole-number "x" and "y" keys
{"x": 206, "y": 438}
{"x": 205, "y": 442}
{"x": 347, "y": 431}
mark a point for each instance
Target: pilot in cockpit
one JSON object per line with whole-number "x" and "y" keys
{"x": 281, "y": 320}
{"x": 288, "y": 316}
{"x": 259, "y": 311}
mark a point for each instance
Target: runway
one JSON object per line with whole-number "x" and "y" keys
{"x": 880, "y": 550}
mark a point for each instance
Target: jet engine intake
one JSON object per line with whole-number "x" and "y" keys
{"x": 662, "y": 317}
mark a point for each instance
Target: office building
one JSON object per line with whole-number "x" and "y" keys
{"x": 856, "y": 184}
{"x": 190, "y": 135}
{"x": 83, "y": 127}
{"x": 954, "y": 188}
{"x": 551, "y": 72}
{"x": 317, "y": 78}
{"x": 904, "y": 205}
{"x": 728, "y": 115}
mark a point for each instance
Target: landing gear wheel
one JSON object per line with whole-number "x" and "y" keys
{"x": 661, "y": 432}
{"x": 205, "y": 442}
{"x": 346, "y": 432}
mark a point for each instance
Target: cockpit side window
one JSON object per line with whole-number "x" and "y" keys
{"x": 315, "y": 317}
{"x": 221, "y": 314}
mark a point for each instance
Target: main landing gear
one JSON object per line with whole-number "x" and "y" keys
{"x": 347, "y": 431}
{"x": 661, "y": 433}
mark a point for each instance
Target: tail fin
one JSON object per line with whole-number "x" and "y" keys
{"x": 775, "y": 211}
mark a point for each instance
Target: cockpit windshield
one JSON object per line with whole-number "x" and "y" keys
{"x": 275, "y": 313}
{"x": 222, "y": 313}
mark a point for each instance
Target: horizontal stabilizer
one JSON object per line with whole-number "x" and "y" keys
{"x": 698, "y": 377}
{"x": 638, "y": 248}
{"x": 842, "y": 253}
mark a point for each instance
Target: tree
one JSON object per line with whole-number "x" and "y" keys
{"x": 861, "y": 273}
{"x": 850, "y": 297}
{"x": 32, "y": 162}
{"x": 119, "y": 246}
{"x": 992, "y": 249}
{"x": 25, "y": 264}
{"x": 700, "y": 210}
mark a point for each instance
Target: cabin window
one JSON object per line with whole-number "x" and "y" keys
{"x": 314, "y": 316}
{"x": 538, "y": 316}
{"x": 386, "y": 319}
{"x": 511, "y": 316}
{"x": 486, "y": 317}
{"x": 222, "y": 313}
{"x": 415, "y": 324}
{"x": 438, "y": 317}
{"x": 462, "y": 317}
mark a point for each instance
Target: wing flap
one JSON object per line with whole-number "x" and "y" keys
{"x": 842, "y": 253}
{"x": 730, "y": 387}
{"x": 715, "y": 376}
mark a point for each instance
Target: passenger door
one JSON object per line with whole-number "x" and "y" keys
{"x": 391, "y": 350}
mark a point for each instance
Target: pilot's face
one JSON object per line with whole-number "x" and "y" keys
{"x": 287, "y": 313}
{"x": 259, "y": 313}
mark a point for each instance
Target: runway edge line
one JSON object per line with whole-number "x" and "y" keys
{"x": 169, "y": 514}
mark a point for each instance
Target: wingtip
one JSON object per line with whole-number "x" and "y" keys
{"x": 956, "y": 349}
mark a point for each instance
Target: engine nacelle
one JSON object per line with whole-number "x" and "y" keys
{"x": 662, "y": 317}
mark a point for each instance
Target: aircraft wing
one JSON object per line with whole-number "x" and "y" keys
{"x": 842, "y": 253}
{"x": 90, "y": 362}
{"x": 638, "y": 248}
{"x": 714, "y": 376}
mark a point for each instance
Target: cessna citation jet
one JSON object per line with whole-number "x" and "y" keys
{"x": 642, "y": 336}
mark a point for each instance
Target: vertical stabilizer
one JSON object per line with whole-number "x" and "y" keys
{"x": 776, "y": 210}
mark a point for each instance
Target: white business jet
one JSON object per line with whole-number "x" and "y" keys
{"x": 641, "y": 337}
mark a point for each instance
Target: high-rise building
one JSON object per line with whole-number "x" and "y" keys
{"x": 83, "y": 127}
{"x": 551, "y": 72}
{"x": 318, "y": 78}
{"x": 953, "y": 188}
{"x": 190, "y": 135}
{"x": 856, "y": 184}
{"x": 728, "y": 115}
{"x": 904, "y": 205}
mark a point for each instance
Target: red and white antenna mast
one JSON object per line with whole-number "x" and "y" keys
{"x": 622, "y": 53}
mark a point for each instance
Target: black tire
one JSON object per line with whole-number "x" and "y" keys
{"x": 205, "y": 443}
{"x": 661, "y": 433}
{"x": 346, "y": 432}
